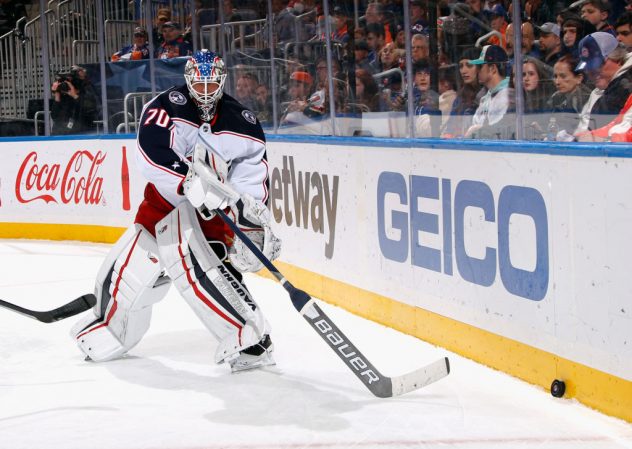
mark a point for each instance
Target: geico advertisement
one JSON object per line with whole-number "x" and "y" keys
{"x": 73, "y": 182}
{"x": 516, "y": 244}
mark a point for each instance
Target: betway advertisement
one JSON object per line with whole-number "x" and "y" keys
{"x": 90, "y": 182}
{"x": 530, "y": 246}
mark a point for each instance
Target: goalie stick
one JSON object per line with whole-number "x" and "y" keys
{"x": 380, "y": 385}
{"x": 74, "y": 307}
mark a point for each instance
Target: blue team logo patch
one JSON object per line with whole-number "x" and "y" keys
{"x": 249, "y": 116}
{"x": 177, "y": 97}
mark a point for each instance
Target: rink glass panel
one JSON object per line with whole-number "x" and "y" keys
{"x": 262, "y": 55}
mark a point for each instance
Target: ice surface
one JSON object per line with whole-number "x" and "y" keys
{"x": 168, "y": 394}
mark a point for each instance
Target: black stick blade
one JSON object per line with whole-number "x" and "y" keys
{"x": 76, "y": 306}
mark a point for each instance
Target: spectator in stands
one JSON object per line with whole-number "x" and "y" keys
{"x": 574, "y": 29}
{"x": 367, "y": 92}
{"x": 570, "y": 96}
{"x": 623, "y": 28}
{"x": 538, "y": 11}
{"x": 340, "y": 31}
{"x": 447, "y": 92}
{"x": 230, "y": 13}
{"x": 400, "y": 37}
{"x": 318, "y": 103}
{"x": 390, "y": 57}
{"x": 283, "y": 28}
{"x": 425, "y": 101}
{"x": 492, "y": 117}
{"x": 75, "y": 106}
{"x": 245, "y": 88}
{"x": 321, "y": 71}
{"x": 359, "y": 33}
{"x": 550, "y": 43}
{"x": 139, "y": 49}
{"x": 498, "y": 21}
{"x": 173, "y": 44}
{"x": 374, "y": 15}
{"x": 163, "y": 16}
{"x": 467, "y": 98}
{"x": 596, "y": 12}
{"x": 418, "y": 21}
{"x": 420, "y": 47}
{"x": 528, "y": 39}
{"x": 299, "y": 87}
{"x": 537, "y": 82}
{"x": 393, "y": 95}
{"x": 263, "y": 105}
{"x": 478, "y": 27}
{"x": 618, "y": 130}
{"x": 361, "y": 51}
{"x": 607, "y": 63}
{"x": 375, "y": 40}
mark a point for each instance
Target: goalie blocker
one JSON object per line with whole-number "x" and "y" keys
{"x": 131, "y": 280}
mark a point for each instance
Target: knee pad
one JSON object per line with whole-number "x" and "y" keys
{"x": 217, "y": 296}
{"x": 129, "y": 282}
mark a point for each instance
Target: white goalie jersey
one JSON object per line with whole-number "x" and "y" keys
{"x": 169, "y": 131}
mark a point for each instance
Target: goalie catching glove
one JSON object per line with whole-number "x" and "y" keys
{"x": 206, "y": 189}
{"x": 253, "y": 217}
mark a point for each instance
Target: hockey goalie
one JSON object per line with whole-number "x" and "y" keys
{"x": 196, "y": 146}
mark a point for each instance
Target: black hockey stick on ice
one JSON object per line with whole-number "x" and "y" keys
{"x": 74, "y": 307}
{"x": 380, "y": 385}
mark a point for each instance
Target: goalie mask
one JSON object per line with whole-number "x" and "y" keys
{"x": 205, "y": 74}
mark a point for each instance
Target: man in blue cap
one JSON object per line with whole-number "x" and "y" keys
{"x": 606, "y": 64}
{"x": 491, "y": 119}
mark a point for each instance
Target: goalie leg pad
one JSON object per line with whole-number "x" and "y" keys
{"x": 126, "y": 288}
{"x": 217, "y": 297}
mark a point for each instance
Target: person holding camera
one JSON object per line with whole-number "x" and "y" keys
{"x": 74, "y": 109}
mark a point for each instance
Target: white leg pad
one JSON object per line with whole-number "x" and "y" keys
{"x": 126, "y": 290}
{"x": 220, "y": 301}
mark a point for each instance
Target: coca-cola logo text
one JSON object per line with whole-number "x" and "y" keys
{"x": 75, "y": 183}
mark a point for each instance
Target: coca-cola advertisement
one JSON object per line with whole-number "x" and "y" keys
{"x": 74, "y": 182}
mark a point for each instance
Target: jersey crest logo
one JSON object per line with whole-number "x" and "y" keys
{"x": 249, "y": 116}
{"x": 177, "y": 98}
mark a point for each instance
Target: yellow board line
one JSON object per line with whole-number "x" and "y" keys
{"x": 607, "y": 393}
{"x": 45, "y": 231}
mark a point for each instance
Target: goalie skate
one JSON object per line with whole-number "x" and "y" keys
{"x": 256, "y": 356}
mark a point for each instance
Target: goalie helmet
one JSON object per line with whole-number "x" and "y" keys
{"x": 205, "y": 74}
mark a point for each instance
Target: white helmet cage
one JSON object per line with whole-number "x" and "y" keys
{"x": 206, "y": 68}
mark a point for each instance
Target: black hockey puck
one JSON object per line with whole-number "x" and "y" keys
{"x": 558, "y": 388}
